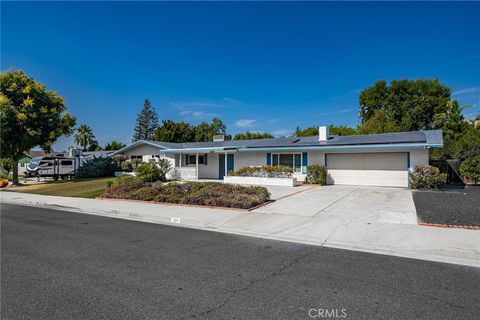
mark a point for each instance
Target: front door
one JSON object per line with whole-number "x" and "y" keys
{"x": 221, "y": 166}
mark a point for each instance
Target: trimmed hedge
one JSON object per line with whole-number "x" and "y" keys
{"x": 427, "y": 177}
{"x": 264, "y": 172}
{"x": 316, "y": 174}
{"x": 197, "y": 193}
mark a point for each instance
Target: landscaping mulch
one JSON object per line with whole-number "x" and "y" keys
{"x": 449, "y": 207}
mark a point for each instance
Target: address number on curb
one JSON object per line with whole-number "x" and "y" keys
{"x": 175, "y": 220}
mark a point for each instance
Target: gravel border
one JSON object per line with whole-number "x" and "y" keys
{"x": 450, "y": 207}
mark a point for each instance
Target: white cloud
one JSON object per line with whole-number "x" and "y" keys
{"x": 231, "y": 100}
{"x": 198, "y": 114}
{"x": 244, "y": 123}
{"x": 466, "y": 91}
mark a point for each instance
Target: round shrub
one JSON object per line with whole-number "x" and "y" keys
{"x": 151, "y": 172}
{"x": 427, "y": 177}
{"x": 316, "y": 174}
{"x": 470, "y": 169}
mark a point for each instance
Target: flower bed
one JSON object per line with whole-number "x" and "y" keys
{"x": 263, "y": 172}
{"x": 265, "y": 175}
{"x": 195, "y": 193}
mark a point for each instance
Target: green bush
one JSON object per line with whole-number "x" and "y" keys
{"x": 6, "y": 164}
{"x": 97, "y": 167}
{"x": 197, "y": 193}
{"x": 316, "y": 174}
{"x": 126, "y": 180}
{"x": 427, "y": 177}
{"x": 127, "y": 166}
{"x": 264, "y": 172}
{"x": 470, "y": 169}
{"x": 151, "y": 172}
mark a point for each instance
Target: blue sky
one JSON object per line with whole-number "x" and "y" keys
{"x": 258, "y": 66}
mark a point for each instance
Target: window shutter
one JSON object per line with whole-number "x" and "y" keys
{"x": 269, "y": 159}
{"x": 186, "y": 160}
{"x": 205, "y": 159}
{"x": 304, "y": 162}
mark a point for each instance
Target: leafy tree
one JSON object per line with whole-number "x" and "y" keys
{"x": 205, "y": 131}
{"x": 95, "y": 146}
{"x": 84, "y": 137}
{"x": 409, "y": 105}
{"x": 114, "y": 145}
{"x": 171, "y": 131}
{"x": 470, "y": 168}
{"x": 147, "y": 122}
{"x": 30, "y": 116}
{"x": 252, "y": 135}
{"x": 379, "y": 122}
{"x": 341, "y": 130}
{"x": 307, "y": 132}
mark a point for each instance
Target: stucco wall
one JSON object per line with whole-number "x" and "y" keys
{"x": 142, "y": 150}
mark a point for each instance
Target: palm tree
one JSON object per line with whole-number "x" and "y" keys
{"x": 84, "y": 136}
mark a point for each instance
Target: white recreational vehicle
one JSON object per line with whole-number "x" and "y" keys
{"x": 56, "y": 167}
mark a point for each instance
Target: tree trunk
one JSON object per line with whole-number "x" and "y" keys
{"x": 15, "y": 171}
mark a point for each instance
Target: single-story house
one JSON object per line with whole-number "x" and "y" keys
{"x": 373, "y": 159}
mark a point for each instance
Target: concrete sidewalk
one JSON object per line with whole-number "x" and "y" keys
{"x": 457, "y": 246}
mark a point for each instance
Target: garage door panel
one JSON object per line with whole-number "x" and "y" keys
{"x": 370, "y": 169}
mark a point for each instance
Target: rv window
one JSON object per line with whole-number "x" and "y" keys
{"x": 45, "y": 164}
{"x": 67, "y": 162}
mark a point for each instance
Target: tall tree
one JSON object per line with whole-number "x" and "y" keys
{"x": 84, "y": 137}
{"x": 252, "y": 135}
{"x": 30, "y": 116}
{"x": 114, "y": 145}
{"x": 147, "y": 122}
{"x": 409, "y": 105}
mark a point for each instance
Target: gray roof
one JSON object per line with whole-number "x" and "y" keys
{"x": 428, "y": 137}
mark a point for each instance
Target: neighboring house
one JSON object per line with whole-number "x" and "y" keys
{"x": 374, "y": 159}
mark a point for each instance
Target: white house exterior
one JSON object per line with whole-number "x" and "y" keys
{"x": 373, "y": 160}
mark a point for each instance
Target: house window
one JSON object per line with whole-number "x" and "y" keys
{"x": 136, "y": 157}
{"x": 192, "y": 159}
{"x": 292, "y": 160}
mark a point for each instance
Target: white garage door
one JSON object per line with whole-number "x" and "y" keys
{"x": 368, "y": 169}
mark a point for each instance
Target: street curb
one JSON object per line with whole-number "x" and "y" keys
{"x": 442, "y": 225}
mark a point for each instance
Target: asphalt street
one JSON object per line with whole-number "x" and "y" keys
{"x": 65, "y": 265}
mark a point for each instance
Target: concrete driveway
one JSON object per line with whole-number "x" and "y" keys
{"x": 348, "y": 203}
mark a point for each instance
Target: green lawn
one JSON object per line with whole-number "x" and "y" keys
{"x": 83, "y": 188}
